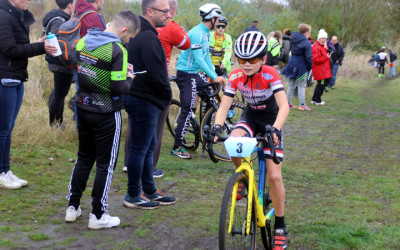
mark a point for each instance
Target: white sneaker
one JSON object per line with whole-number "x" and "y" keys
{"x": 71, "y": 214}
{"x": 15, "y": 178}
{"x": 320, "y": 103}
{"x": 313, "y": 102}
{"x": 106, "y": 221}
{"x": 125, "y": 169}
{"x": 7, "y": 183}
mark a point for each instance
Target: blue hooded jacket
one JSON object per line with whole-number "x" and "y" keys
{"x": 300, "y": 63}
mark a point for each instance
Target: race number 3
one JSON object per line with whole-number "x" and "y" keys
{"x": 239, "y": 149}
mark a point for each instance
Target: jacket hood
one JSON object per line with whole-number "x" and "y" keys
{"x": 82, "y": 6}
{"x": 298, "y": 37}
{"x": 54, "y": 13}
{"x": 24, "y": 15}
{"x": 285, "y": 37}
{"x": 96, "y": 38}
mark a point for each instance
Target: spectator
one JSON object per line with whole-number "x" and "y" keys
{"x": 99, "y": 102}
{"x": 321, "y": 68}
{"x": 170, "y": 35}
{"x": 383, "y": 59}
{"x": 393, "y": 58}
{"x": 253, "y": 27}
{"x": 337, "y": 59}
{"x": 62, "y": 75}
{"x": 189, "y": 78}
{"x": 274, "y": 49}
{"x": 91, "y": 20}
{"x": 15, "y": 50}
{"x": 221, "y": 48}
{"x": 300, "y": 63}
{"x": 151, "y": 93}
{"x": 285, "y": 46}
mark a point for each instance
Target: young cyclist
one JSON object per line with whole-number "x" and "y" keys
{"x": 221, "y": 48}
{"x": 266, "y": 100}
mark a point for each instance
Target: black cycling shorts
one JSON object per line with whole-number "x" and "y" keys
{"x": 254, "y": 122}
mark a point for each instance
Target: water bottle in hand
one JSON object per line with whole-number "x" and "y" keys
{"x": 52, "y": 40}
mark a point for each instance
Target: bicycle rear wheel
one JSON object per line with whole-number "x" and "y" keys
{"x": 237, "y": 238}
{"x": 233, "y": 116}
{"x": 191, "y": 140}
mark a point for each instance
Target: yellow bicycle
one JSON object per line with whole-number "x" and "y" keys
{"x": 242, "y": 214}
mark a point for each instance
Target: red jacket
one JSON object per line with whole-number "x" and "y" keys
{"x": 91, "y": 20}
{"x": 173, "y": 35}
{"x": 321, "y": 68}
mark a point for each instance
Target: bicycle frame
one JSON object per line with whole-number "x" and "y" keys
{"x": 258, "y": 194}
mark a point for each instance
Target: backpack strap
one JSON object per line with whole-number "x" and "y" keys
{"x": 48, "y": 24}
{"x": 92, "y": 11}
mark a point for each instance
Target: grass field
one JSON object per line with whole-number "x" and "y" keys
{"x": 341, "y": 173}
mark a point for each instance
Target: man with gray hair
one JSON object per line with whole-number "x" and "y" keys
{"x": 150, "y": 93}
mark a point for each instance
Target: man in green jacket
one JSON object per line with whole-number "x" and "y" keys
{"x": 221, "y": 48}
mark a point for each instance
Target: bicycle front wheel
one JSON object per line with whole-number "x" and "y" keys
{"x": 234, "y": 114}
{"x": 237, "y": 238}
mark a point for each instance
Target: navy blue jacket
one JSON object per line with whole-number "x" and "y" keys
{"x": 300, "y": 63}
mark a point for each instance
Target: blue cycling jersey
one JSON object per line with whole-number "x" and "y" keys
{"x": 197, "y": 57}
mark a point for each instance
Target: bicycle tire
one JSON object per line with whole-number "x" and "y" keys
{"x": 237, "y": 239}
{"x": 191, "y": 140}
{"x": 266, "y": 235}
{"x": 218, "y": 148}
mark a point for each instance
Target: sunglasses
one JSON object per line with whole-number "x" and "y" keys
{"x": 251, "y": 60}
{"x": 221, "y": 26}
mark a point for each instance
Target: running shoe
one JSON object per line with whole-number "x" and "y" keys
{"x": 7, "y": 183}
{"x": 240, "y": 191}
{"x": 181, "y": 153}
{"x": 71, "y": 214}
{"x": 159, "y": 197}
{"x": 304, "y": 108}
{"x": 14, "y": 178}
{"x": 106, "y": 221}
{"x": 140, "y": 201}
{"x": 292, "y": 106}
{"x": 158, "y": 173}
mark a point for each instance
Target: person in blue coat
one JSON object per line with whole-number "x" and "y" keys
{"x": 300, "y": 63}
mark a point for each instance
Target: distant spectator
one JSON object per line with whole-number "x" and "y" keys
{"x": 15, "y": 50}
{"x": 253, "y": 27}
{"x": 300, "y": 63}
{"x": 337, "y": 59}
{"x": 393, "y": 58}
{"x": 62, "y": 75}
{"x": 383, "y": 59}
{"x": 310, "y": 40}
{"x": 274, "y": 48}
{"x": 285, "y": 46}
{"x": 321, "y": 67}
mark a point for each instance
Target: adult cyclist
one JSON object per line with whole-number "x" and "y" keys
{"x": 189, "y": 77}
{"x": 266, "y": 100}
{"x": 221, "y": 48}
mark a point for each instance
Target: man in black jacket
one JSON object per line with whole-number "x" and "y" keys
{"x": 393, "y": 58}
{"x": 150, "y": 93}
{"x": 62, "y": 74}
{"x": 337, "y": 59}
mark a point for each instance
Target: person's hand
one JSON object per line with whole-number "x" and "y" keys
{"x": 276, "y": 136}
{"x": 42, "y": 39}
{"x": 50, "y": 49}
{"x": 216, "y": 132}
{"x": 220, "y": 80}
{"x": 222, "y": 66}
{"x": 130, "y": 70}
{"x": 329, "y": 55}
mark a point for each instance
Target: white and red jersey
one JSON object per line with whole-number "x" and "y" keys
{"x": 173, "y": 35}
{"x": 258, "y": 90}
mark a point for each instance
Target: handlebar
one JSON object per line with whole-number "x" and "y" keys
{"x": 205, "y": 90}
{"x": 209, "y": 138}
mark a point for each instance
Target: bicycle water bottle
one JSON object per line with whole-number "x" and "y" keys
{"x": 52, "y": 40}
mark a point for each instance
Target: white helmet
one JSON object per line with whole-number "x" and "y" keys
{"x": 210, "y": 10}
{"x": 251, "y": 44}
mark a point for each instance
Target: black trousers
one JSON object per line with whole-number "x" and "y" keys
{"x": 319, "y": 89}
{"x": 62, "y": 83}
{"x": 99, "y": 137}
